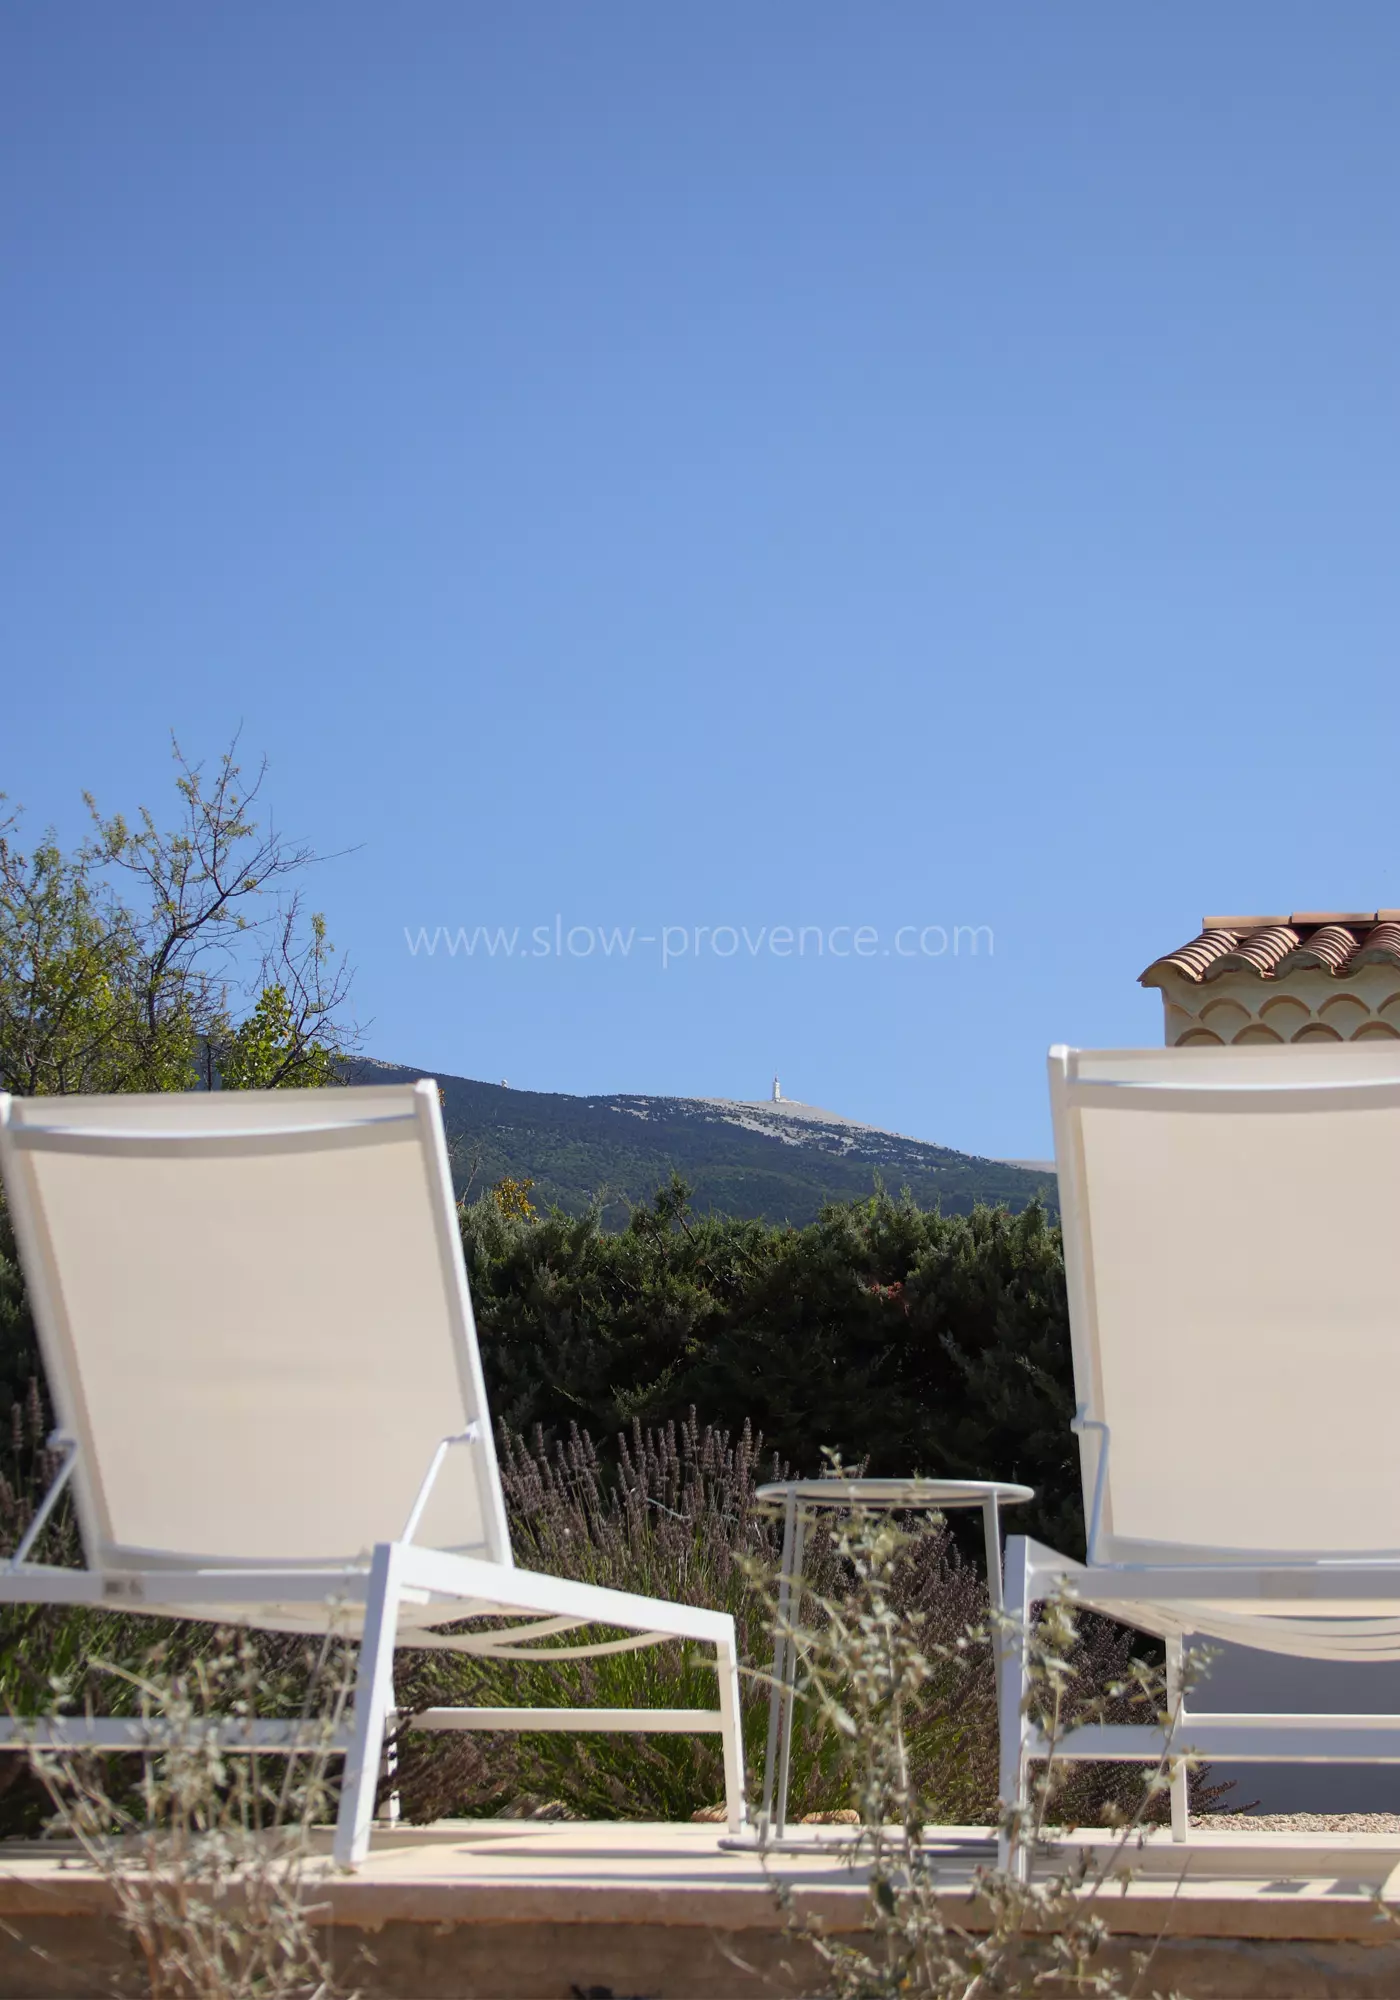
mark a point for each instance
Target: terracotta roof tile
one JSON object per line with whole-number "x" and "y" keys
{"x": 1271, "y": 947}
{"x": 1196, "y": 958}
{"x": 1382, "y": 947}
{"x": 1330, "y": 945}
{"x": 1259, "y": 951}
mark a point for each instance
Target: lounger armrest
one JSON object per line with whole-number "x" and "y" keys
{"x": 1080, "y": 1424}
{"x": 59, "y": 1441}
{"x": 415, "y": 1512}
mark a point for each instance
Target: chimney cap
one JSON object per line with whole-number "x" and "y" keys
{"x": 1306, "y": 918}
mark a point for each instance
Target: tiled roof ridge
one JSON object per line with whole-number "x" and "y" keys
{"x": 1337, "y": 942}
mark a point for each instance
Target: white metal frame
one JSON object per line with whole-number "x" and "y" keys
{"x": 402, "y": 1592}
{"x": 1339, "y": 1605}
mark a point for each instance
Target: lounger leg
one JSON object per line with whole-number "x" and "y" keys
{"x": 731, "y": 1736}
{"x": 1181, "y": 1809}
{"x": 374, "y": 1689}
{"x": 1013, "y": 1679}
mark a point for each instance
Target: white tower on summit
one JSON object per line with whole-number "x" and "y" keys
{"x": 777, "y": 1091}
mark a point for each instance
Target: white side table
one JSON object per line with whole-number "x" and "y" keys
{"x": 801, "y": 1500}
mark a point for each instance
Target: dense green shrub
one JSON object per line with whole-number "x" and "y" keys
{"x": 19, "y": 1355}
{"x": 907, "y": 1340}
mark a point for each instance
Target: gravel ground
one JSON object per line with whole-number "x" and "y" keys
{"x": 1304, "y": 1822}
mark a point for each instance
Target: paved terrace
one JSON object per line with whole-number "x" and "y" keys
{"x": 511, "y": 1910}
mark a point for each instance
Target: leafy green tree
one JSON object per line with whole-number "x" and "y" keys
{"x": 270, "y": 1051}
{"x": 155, "y": 959}
{"x": 72, "y": 1016}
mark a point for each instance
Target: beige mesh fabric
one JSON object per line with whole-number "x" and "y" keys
{"x": 255, "y": 1320}
{"x": 1236, "y": 1310}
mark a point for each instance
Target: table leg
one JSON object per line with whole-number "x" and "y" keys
{"x": 991, "y": 1530}
{"x": 790, "y": 1675}
{"x": 780, "y": 1666}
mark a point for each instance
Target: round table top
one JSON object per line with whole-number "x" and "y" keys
{"x": 895, "y": 1492}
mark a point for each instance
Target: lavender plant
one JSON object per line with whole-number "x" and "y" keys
{"x": 675, "y": 1514}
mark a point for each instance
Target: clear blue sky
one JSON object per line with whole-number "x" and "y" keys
{"x": 722, "y": 466}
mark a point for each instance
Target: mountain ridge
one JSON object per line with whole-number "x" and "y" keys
{"x": 779, "y": 1161}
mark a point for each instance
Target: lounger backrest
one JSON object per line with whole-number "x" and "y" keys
{"x": 254, "y": 1319}
{"x": 1232, "y": 1221}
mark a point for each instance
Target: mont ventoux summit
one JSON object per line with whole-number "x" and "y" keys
{"x": 773, "y": 1158}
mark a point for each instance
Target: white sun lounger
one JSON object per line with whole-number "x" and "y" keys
{"x": 1231, "y": 1219}
{"x": 254, "y": 1317}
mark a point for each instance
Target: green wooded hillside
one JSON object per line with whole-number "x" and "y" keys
{"x": 619, "y": 1150}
